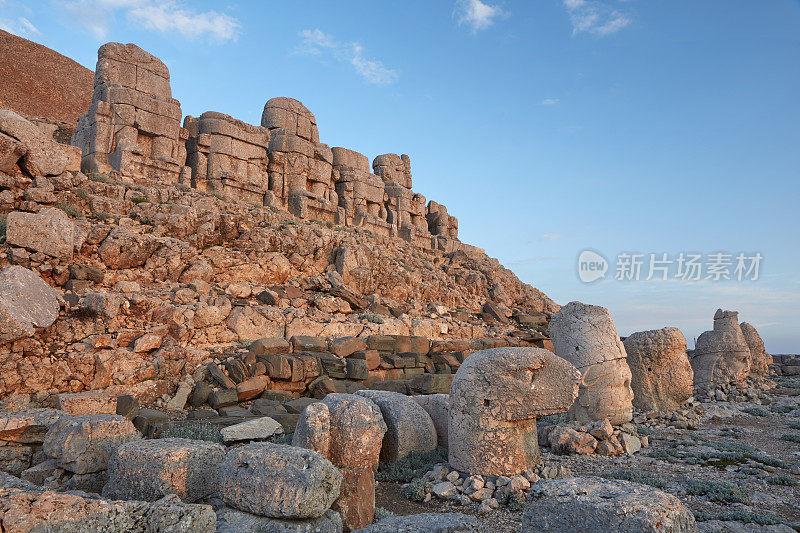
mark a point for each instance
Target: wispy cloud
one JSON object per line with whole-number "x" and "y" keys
{"x": 596, "y": 17}
{"x": 166, "y": 16}
{"x": 476, "y": 14}
{"x": 550, "y": 236}
{"x": 318, "y": 43}
{"x": 549, "y": 101}
{"x": 21, "y": 26}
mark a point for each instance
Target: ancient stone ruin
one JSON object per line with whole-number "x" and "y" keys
{"x": 134, "y": 124}
{"x": 209, "y": 294}
{"x": 134, "y": 128}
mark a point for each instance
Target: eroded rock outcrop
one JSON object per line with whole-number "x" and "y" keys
{"x": 495, "y": 398}
{"x": 662, "y": 378}
{"x": 585, "y": 336}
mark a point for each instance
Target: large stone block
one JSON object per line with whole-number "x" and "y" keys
{"x": 83, "y": 444}
{"x": 409, "y": 427}
{"x": 596, "y": 504}
{"x": 759, "y": 358}
{"x": 278, "y": 481}
{"x": 585, "y": 336}
{"x": 722, "y": 355}
{"x": 38, "y": 155}
{"x": 661, "y": 376}
{"x": 49, "y": 231}
{"x": 26, "y": 303}
{"x": 151, "y": 469}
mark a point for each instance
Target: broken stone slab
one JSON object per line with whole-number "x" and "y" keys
{"x": 278, "y": 481}
{"x": 258, "y": 429}
{"x": 29, "y": 426}
{"x": 425, "y": 523}
{"x": 26, "y": 303}
{"x": 35, "y": 509}
{"x": 409, "y": 427}
{"x": 233, "y": 521}
{"x": 270, "y": 345}
{"x": 42, "y": 156}
{"x": 49, "y": 231}
{"x": 151, "y": 469}
{"x": 565, "y": 440}
{"x": 597, "y": 504}
{"x": 83, "y": 444}
{"x": 87, "y": 403}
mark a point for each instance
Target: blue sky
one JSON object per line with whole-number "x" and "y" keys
{"x": 547, "y": 127}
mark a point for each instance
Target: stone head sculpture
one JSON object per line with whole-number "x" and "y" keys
{"x": 585, "y": 336}
{"x": 495, "y": 398}
{"x": 661, "y": 374}
{"x": 721, "y": 356}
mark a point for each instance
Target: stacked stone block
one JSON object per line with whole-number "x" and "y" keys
{"x": 134, "y": 124}
{"x": 228, "y": 156}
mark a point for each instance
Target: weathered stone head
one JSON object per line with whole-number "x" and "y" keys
{"x": 495, "y": 398}
{"x": 759, "y": 358}
{"x": 721, "y": 356}
{"x": 661, "y": 374}
{"x": 585, "y": 336}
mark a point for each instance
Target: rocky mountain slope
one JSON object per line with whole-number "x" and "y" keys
{"x": 40, "y": 83}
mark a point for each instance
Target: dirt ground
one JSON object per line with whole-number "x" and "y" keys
{"x": 738, "y": 471}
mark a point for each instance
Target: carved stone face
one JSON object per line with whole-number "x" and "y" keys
{"x": 585, "y": 336}
{"x": 605, "y": 392}
{"x": 495, "y": 398}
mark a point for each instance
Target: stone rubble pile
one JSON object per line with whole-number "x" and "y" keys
{"x": 599, "y": 437}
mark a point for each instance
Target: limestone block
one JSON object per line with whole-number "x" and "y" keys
{"x": 26, "y": 303}
{"x": 278, "y": 481}
{"x": 722, "y": 355}
{"x": 151, "y": 469}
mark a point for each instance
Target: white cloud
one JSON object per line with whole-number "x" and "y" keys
{"x": 550, "y": 236}
{"x": 21, "y": 27}
{"x": 476, "y": 14}
{"x": 596, "y": 17}
{"x": 316, "y": 42}
{"x": 549, "y": 101}
{"x": 166, "y": 16}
